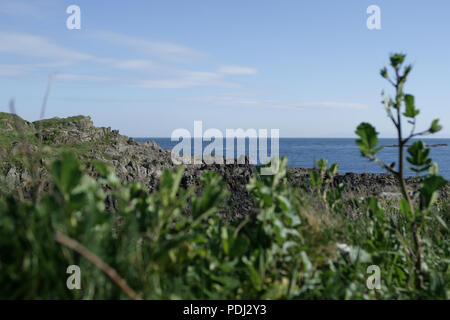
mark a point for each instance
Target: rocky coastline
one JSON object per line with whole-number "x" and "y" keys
{"x": 144, "y": 162}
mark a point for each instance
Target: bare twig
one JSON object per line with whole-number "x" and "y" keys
{"x": 413, "y": 130}
{"x": 392, "y": 82}
{"x": 381, "y": 163}
{"x": 17, "y": 123}
{"x": 78, "y": 247}
{"x": 423, "y": 133}
{"x": 391, "y": 116}
{"x": 47, "y": 93}
{"x": 44, "y": 104}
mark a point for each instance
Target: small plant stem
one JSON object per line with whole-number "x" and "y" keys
{"x": 77, "y": 247}
{"x": 400, "y": 175}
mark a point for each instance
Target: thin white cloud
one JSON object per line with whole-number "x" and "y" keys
{"x": 330, "y": 105}
{"x": 160, "y": 49}
{"x": 237, "y": 70}
{"x": 188, "y": 79}
{"x": 24, "y": 8}
{"x": 158, "y": 74}
{"x": 53, "y": 64}
{"x": 227, "y": 100}
{"x": 136, "y": 64}
{"x": 9, "y": 70}
{"x": 244, "y": 101}
{"x": 35, "y": 46}
{"x": 81, "y": 77}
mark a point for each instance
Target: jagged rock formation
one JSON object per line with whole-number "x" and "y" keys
{"x": 133, "y": 161}
{"x": 144, "y": 161}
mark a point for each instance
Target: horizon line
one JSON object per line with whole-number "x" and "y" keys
{"x": 168, "y": 137}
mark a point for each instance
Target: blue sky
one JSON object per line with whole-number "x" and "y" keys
{"x": 309, "y": 68}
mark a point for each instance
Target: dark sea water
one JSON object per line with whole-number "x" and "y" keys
{"x": 302, "y": 152}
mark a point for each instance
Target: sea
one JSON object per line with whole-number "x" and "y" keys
{"x": 304, "y": 152}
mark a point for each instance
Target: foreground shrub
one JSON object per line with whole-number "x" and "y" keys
{"x": 401, "y": 108}
{"x": 173, "y": 244}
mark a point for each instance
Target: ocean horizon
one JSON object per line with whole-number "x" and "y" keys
{"x": 304, "y": 152}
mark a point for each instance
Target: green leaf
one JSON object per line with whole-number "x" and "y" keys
{"x": 435, "y": 126}
{"x": 405, "y": 208}
{"x": 314, "y": 178}
{"x": 106, "y": 174}
{"x": 397, "y": 59}
{"x": 419, "y": 157}
{"x": 240, "y": 246}
{"x": 386, "y": 102}
{"x": 66, "y": 173}
{"x": 411, "y": 111}
{"x": 384, "y": 73}
{"x": 214, "y": 192}
{"x": 441, "y": 221}
{"x": 334, "y": 169}
{"x": 375, "y": 210}
{"x": 322, "y": 165}
{"x": 434, "y": 169}
{"x": 407, "y": 70}
{"x": 225, "y": 240}
{"x": 431, "y": 185}
{"x": 368, "y": 141}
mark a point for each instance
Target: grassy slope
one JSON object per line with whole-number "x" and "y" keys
{"x": 10, "y": 137}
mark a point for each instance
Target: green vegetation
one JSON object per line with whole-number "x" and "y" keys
{"x": 8, "y": 124}
{"x": 55, "y": 122}
{"x": 418, "y": 157}
{"x": 19, "y": 137}
{"x": 173, "y": 243}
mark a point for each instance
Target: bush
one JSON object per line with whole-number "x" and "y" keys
{"x": 173, "y": 244}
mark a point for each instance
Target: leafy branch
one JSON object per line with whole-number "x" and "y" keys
{"x": 402, "y": 107}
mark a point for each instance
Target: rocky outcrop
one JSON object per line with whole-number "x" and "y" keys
{"x": 384, "y": 186}
{"x": 145, "y": 161}
{"x": 236, "y": 176}
{"x": 132, "y": 161}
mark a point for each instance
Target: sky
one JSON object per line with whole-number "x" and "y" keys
{"x": 308, "y": 68}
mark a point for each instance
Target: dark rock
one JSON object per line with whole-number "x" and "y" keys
{"x": 144, "y": 162}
